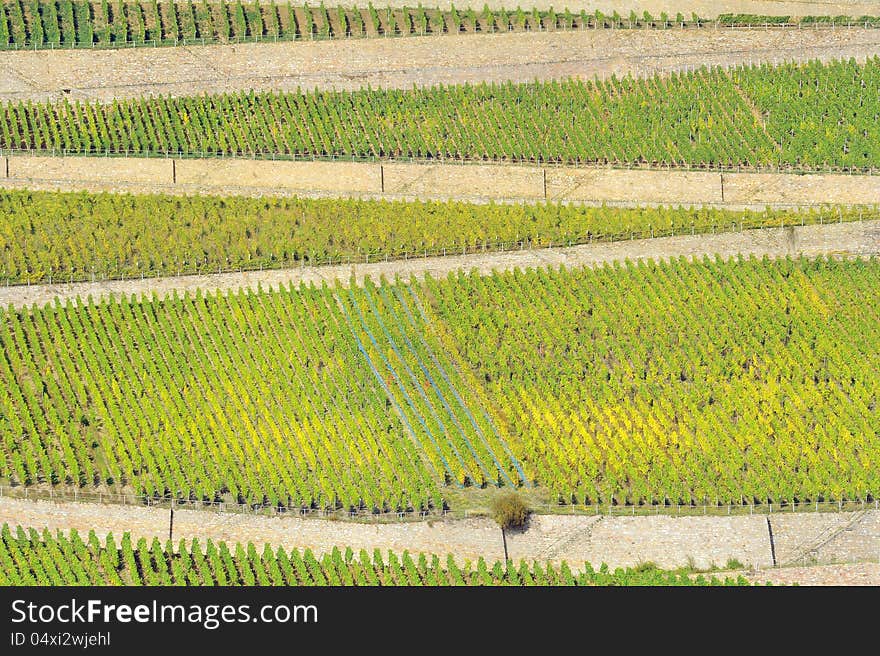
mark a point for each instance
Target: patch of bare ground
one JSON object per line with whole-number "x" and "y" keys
{"x": 703, "y": 8}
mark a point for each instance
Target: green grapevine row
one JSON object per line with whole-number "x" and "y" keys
{"x": 687, "y": 382}
{"x": 32, "y": 558}
{"x": 303, "y": 397}
{"x": 71, "y": 236}
{"x": 261, "y": 397}
{"x": 695, "y": 120}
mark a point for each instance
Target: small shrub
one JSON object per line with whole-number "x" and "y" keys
{"x": 509, "y": 510}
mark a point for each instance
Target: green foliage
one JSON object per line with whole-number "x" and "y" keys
{"x": 4, "y": 27}
{"x": 358, "y": 28}
{"x": 35, "y": 25}
{"x": 137, "y": 25}
{"x": 50, "y": 23}
{"x": 756, "y": 117}
{"x": 684, "y": 381}
{"x": 375, "y": 21}
{"x": 752, "y": 19}
{"x": 154, "y": 31}
{"x": 509, "y": 510}
{"x": 71, "y": 236}
{"x": 642, "y": 383}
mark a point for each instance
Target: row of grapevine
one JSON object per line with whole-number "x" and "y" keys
{"x": 87, "y": 23}
{"x": 52, "y": 236}
{"x": 838, "y": 102}
{"x": 256, "y": 398}
{"x": 29, "y": 557}
{"x": 695, "y": 120}
{"x": 687, "y": 382}
{"x": 419, "y": 378}
{"x": 301, "y": 397}
{"x": 705, "y": 381}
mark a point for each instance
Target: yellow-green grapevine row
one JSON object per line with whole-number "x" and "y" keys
{"x": 74, "y": 236}
{"x": 711, "y": 381}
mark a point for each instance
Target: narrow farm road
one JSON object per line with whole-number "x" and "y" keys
{"x": 404, "y": 62}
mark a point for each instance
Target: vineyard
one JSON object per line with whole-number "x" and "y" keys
{"x": 799, "y": 116}
{"x": 712, "y": 380}
{"x": 33, "y": 558}
{"x": 46, "y": 236}
{"x": 117, "y": 23}
{"x": 687, "y": 382}
{"x": 690, "y": 385}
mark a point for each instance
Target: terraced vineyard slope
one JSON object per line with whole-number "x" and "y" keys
{"x": 73, "y": 236}
{"x": 611, "y": 385}
{"x": 712, "y": 380}
{"x": 803, "y": 116}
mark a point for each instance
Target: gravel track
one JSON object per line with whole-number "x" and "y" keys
{"x": 403, "y": 62}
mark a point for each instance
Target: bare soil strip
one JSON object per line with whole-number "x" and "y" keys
{"x": 404, "y": 62}
{"x": 844, "y": 239}
{"x": 668, "y": 541}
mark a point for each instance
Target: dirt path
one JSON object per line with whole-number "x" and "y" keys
{"x": 618, "y": 541}
{"x": 848, "y": 239}
{"x": 703, "y": 8}
{"x": 402, "y": 63}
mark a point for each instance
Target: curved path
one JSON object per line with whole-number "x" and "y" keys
{"x": 842, "y": 239}
{"x": 402, "y": 63}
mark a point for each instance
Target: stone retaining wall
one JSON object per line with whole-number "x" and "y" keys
{"x": 679, "y": 187}
{"x": 425, "y": 180}
{"x": 342, "y": 177}
{"x": 618, "y": 541}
